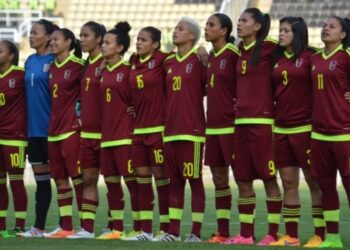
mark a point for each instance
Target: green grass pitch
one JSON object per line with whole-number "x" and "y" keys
{"x": 209, "y": 225}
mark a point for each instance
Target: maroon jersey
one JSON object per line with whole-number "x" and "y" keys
{"x": 90, "y": 96}
{"x": 117, "y": 124}
{"x": 65, "y": 91}
{"x": 254, "y": 103}
{"x": 293, "y": 90}
{"x": 12, "y": 105}
{"x": 147, "y": 81}
{"x": 221, "y": 90}
{"x": 185, "y": 88}
{"x": 331, "y": 80}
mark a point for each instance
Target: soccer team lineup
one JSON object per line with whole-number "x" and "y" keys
{"x": 263, "y": 108}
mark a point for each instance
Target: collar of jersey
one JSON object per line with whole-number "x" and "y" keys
{"x": 325, "y": 57}
{"x": 181, "y": 59}
{"x": 288, "y": 54}
{"x": 222, "y": 50}
{"x": 93, "y": 60}
{"x": 114, "y": 66}
{"x": 145, "y": 59}
{"x": 247, "y": 47}
{"x": 59, "y": 65}
{"x": 7, "y": 71}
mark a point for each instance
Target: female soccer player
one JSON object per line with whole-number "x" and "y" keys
{"x": 65, "y": 74}
{"x": 253, "y": 151}
{"x": 221, "y": 91}
{"x": 147, "y": 81}
{"x": 117, "y": 126}
{"x": 330, "y": 144}
{"x": 91, "y": 35}
{"x": 185, "y": 128}
{"x": 13, "y": 138}
{"x": 38, "y": 114}
{"x": 292, "y": 131}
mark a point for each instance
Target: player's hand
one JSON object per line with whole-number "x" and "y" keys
{"x": 347, "y": 96}
{"x": 203, "y": 55}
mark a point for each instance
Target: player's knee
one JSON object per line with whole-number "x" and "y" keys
{"x": 290, "y": 184}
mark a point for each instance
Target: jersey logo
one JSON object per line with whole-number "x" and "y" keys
{"x": 119, "y": 77}
{"x": 97, "y": 71}
{"x": 299, "y": 62}
{"x": 46, "y": 67}
{"x": 208, "y": 65}
{"x": 67, "y": 74}
{"x": 223, "y": 64}
{"x": 101, "y": 79}
{"x": 133, "y": 67}
{"x": 275, "y": 66}
{"x": 313, "y": 67}
{"x": 332, "y": 65}
{"x": 151, "y": 64}
{"x": 50, "y": 76}
{"x": 189, "y": 68}
{"x": 12, "y": 83}
{"x": 169, "y": 71}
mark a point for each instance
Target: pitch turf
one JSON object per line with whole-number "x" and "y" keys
{"x": 209, "y": 226}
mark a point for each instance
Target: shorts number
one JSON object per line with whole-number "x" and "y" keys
{"x": 108, "y": 95}
{"x": 55, "y": 90}
{"x": 188, "y": 169}
{"x": 88, "y": 79}
{"x": 130, "y": 168}
{"x": 139, "y": 80}
{"x": 285, "y": 77}
{"x": 308, "y": 154}
{"x": 15, "y": 160}
{"x": 320, "y": 82}
{"x": 244, "y": 67}
{"x": 176, "y": 83}
{"x": 158, "y": 156}
{"x": 272, "y": 168}
{"x": 2, "y": 99}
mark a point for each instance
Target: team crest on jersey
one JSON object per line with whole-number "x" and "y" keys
{"x": 97, "y": 71}
{"x": 67, "y": 74}
{"x": 332, "y": 65}
{"x": 223, "y": 63}
{"x": 12, "y": 83}
{"x": 151, "y": 64}
{"x": 119, "y": 77}
{"x": 46, "y": 67}
{"x": 299, "y": 62}
{"x": 189, "y": 68}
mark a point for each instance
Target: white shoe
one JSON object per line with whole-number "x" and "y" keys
{"x": 57, "y": 229}
{"x": 169, "y": 238}
{"x": 82, "y": 234}
{"x": 141, "y": 237}
{"x": 32, "y": 233}
{"x": 159, "y": 236}
{"x": 192, "y": 238}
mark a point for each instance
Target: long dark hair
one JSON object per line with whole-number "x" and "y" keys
{"x": 74, "y": 45}
{"x": 345, "y": 26}
{"x": 265, "y": 21}
{"x": 300, "y": 37}
{"x": 13, "y": 50}
{"x": 226, "y": 22}
{"x": 121, "y": 30}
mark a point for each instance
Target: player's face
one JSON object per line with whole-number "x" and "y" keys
{"x": 88, "y": 39}
{"x": 145, "y": 45}
{"x": 58, "y": 44}
{"x": 247, "y": 27}
{"x": 332, "y": 31}
{"x": 213, "y": 30}
{"x": 285, "y": 35}
{"x": 110, "y": 48}
{"x": 5, "y": 55}
{"x": 38, "y": 37}
{"x": 183, "y": 34}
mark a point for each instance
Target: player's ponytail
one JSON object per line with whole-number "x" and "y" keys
{"x": 264, "y": 20}
{"x": 121, "y": 30}
{"x": 226, "y": 22}
{"x": 12, "y": 50}
{"x": 74, "y": 43}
